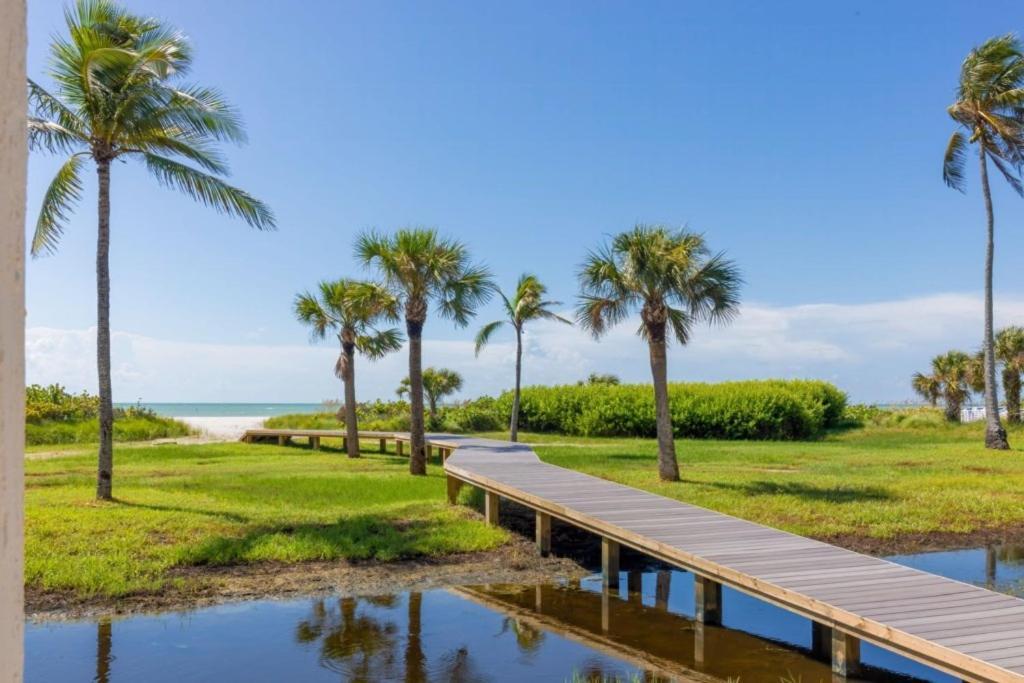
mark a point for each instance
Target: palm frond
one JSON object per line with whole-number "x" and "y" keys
{"x": 485, "y": 334}
{"x": 211, "y": 191}
{"x": 64, "y": 191}
{"x": 953, "y": 162}
{"x": 52, "y": 137}
{"x": 376, "y": 346}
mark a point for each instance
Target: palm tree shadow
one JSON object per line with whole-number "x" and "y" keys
{"x": 230, "y": 516}
{"x": 809, "y": 492}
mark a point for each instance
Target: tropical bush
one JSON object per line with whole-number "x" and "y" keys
{"x": 54, "y": 403}
{"x": 905, "y": 418}
{"x": 768, "y": 409}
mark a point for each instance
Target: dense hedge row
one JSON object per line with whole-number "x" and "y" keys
{"x": 769, "y": 409}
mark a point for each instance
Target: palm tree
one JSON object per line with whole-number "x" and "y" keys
{"x": 437, "y": 384}
{"x": 675, "y": 281}
{"x": 423, "y": 269}
{"x": 950, "y": 380}
{"x": 1009, "y": 348}
{"x": 351, "y": 309}
{"x": 990, "y": 108}
{"x": 120, "y": 95}
{"x": 527, "y": 304}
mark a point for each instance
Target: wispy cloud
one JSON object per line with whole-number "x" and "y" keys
{"x": 868, "y": 349}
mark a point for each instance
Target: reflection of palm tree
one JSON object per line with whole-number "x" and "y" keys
{"x": 415, "y": 661}
{"x": 528, "y": 638}
{"x": 351, "y": 643}
{"x": 103, "y": 651}
{"x": 459, "y": 667}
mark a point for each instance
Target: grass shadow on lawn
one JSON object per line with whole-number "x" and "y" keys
{"x": 809, "y": 492}
{"x": 229, "y": 516}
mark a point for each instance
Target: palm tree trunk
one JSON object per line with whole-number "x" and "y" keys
{"x": 514, "y": 425}
{"x": 953, "y": 407}
{"x": 995, "y": 435}
{"x": 1011, "y": 385}
{"x": 105, "y": 460}
{"x": 351, "y": 423}
{"x": 415, "y": 661}
{"x": 668, "y": 467}
{"x": 417, "y": 438}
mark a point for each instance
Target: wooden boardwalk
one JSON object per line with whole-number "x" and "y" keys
{"x": 969, "y": 632}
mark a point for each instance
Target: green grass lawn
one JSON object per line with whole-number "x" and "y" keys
{"x": 229, "y": 504}
{"x": 878, "y": 482}
{"x": 219, "y": 504}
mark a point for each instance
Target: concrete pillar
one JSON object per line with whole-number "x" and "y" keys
{"x": 543, "y": 533}
{"x": 13, "y": 155}
{"x": 610, "y": 563}
{"x": 845, "y": 654}
{"x": 707, "y": 601}
{"x": 491, "y": 507}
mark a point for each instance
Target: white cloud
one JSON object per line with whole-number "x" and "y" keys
{"x": 869, "y": 350}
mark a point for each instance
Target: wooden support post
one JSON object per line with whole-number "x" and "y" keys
{"x": 661, "y": 589}
{"x": 538, "y": 598}
{"x": 445, "y": 452}
{"x": 314, "y": 443}
{"x": 344, "y": 443}
{"x": 708, "y": 600}
{"x": 821, "y": 641}
{"x": 428, "y": 451}
{"x": 383, "y": 445}
{"x": 282, "y": 440}
{"x": 491, "y": 507}
{"x": 610, "y": 562}
{"x": 845, "y": 654}
{"x": 543, "y": 533}
{"x": 635, "y": 586}
{"x": 606, "y": 609}
{"x": 399, "y": 447}
{"x": 700, "y": 635}
{"x": 454, "y": 485}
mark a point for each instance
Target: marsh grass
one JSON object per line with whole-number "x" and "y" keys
{"x": 224, "y": 504}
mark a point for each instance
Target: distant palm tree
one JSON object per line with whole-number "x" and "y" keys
{"x": 351, "y": 309}
{"x": 675, "y": 281}
{"x": 525, "y": 305}
{"x": 1009, "y": 348}
{"x": 437, "y": 384}
{"x": 607, "y": 379}
{"x": 423, "y": 268}
{"x": 990, "y": 108}
{"x": 950, "y": 381}
{"x": 119, "y": 95}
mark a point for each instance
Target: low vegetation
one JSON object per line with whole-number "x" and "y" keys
{"x": 225, "y": 504}
{"x": 55, "y": 416}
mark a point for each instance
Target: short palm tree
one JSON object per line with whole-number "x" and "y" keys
{"x": 525, "y": 305}
{"x": 990, "y": 109}
{"x": 424, "y": 269}
{"x": 676, "y": 282}
{"x": 438, "y": 383}
{"x": 351, "y": 309}
{"x": 120, "y": 95}
{"x": 1009, "y": 347}
{"x": 950, "y": 380}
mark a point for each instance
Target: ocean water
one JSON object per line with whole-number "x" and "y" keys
{"x": 230, "y": 409}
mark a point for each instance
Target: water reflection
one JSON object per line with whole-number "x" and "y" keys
{"x": 482, "y": 633}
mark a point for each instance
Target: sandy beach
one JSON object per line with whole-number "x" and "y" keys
{"x": 223, "y": 428}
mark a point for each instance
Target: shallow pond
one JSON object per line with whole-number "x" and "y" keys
{"x": 482, "y": 633}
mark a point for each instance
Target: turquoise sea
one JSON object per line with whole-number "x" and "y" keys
{"x": 229, "y": 409}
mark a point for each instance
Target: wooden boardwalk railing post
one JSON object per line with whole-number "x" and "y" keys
{"x": 314, "y": 443}
{"x": 383, "y": 445}
{"x": 491, "y": 507}
{"x": 699, "y": 643}
{"x": 708, "y": 600}
{"x": 661, "y": 589}
{"x": 454, "y": 486}
{"x": 845, "y": 654}
{"x": 282, "y": 440}
{"x": 610, "y": 562}
{"x": 635, "y": 586}
{"x": 399, "y": 447}
{"x": 543, "y": 533}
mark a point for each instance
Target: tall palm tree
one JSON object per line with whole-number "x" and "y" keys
{"x": 527, "y": 304}
{"x": 950, "y": 381}
{"x": 437, "y": 384}
{"x": 424, "y": 269}
{"x": 674, "y": 280}
{"x": 1009, "y": 351}
{"x": 351, "y": 309}
{"x": 120, "y": 95}
{"x": 990, "y": 108}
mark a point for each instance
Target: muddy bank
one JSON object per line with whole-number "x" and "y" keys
{"x": 516, "y": 562}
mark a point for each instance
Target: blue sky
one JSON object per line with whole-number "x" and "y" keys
{"x": 804, "y": 138}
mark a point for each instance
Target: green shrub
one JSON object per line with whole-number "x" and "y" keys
{"x": 88, "y": 431}
{"x": 53, "y": 403}
{"x": 770, "y": 409}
